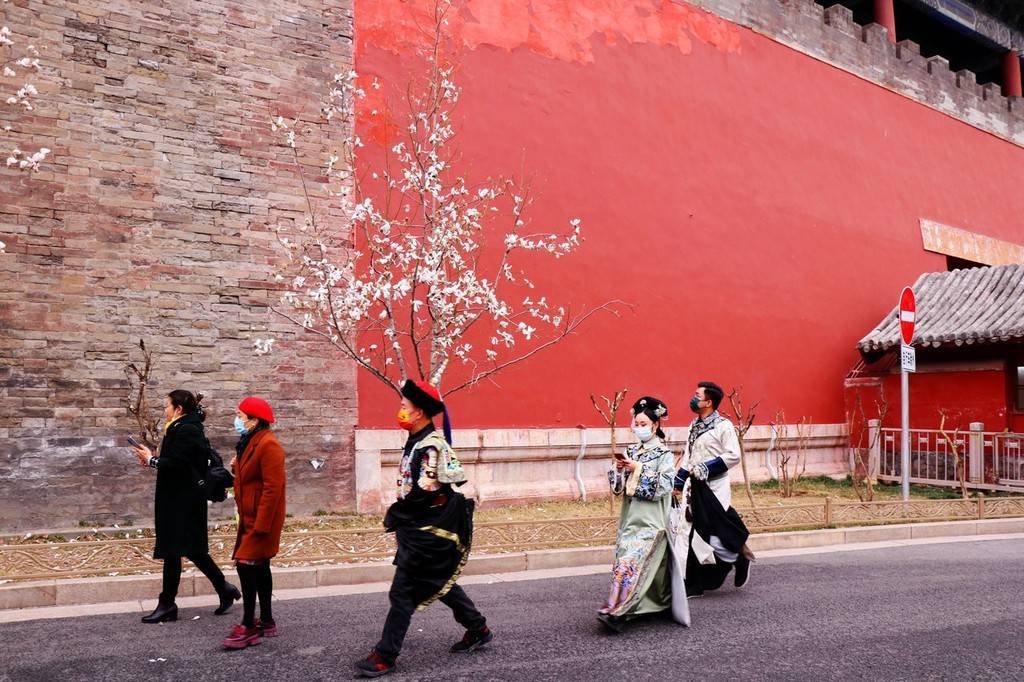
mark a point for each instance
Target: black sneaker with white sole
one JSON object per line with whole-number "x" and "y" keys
{"x": 742, "y": 571}
{"x": 472, "y": 640}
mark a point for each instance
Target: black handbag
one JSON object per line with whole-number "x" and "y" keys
{"x": 217, "y": 480}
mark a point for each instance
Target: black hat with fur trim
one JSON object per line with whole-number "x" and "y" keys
{"x": 427, "y": 398}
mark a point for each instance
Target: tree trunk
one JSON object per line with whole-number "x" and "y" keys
{"x": 746, "y": 478}
{"x": 611, "y": 497}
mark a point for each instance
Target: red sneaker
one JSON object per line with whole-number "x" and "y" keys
{"x": 242, "y": 637}
{"x": 375, "y": 665}
{"x": 267, "y": 629}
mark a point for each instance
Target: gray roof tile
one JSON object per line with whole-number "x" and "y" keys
{"x": 979, "y": 305}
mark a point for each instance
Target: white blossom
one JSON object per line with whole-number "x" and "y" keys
{"x": 22, "y": 99}
{"x": 427, "y": 278}
{"x": 262, "y": 346}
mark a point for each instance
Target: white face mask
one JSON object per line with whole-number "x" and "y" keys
{"x": 644, "y": 433}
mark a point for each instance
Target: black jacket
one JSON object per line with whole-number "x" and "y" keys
{"x": 180, "y": 513}
{"x": 710, "y": 519}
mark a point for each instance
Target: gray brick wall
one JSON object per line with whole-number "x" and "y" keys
{"x": 153, "y": 219}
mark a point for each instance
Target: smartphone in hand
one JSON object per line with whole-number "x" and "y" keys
{"x": 134, "y": 443}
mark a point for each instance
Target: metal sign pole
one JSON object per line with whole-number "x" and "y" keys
{"x": 905, "y": 433}
{"x": 907, "y": 318}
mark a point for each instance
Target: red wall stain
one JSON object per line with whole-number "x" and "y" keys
{"x": 550, "y": 28}
{"x": 761, "y": 211}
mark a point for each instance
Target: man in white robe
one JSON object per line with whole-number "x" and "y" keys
{"x": 712, "y": 449}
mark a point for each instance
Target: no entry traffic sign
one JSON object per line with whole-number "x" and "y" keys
{"x": 908, "y": 315}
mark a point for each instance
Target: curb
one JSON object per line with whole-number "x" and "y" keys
{"x": 99, "y": 590}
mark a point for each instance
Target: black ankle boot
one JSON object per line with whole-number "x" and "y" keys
{"x": 162, "y": 613}
{"x": 229, "y": 594}
{"x": 615, "y": 624}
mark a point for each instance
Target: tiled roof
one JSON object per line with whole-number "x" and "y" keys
{"x": 979, "y": 305}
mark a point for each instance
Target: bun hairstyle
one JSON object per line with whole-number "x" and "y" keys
{"x": 189, "y": 403}
{"x": 654, "y": 409}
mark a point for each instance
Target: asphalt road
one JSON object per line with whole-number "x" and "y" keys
{"x": 944, "y": 611}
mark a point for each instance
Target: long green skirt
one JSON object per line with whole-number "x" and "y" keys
{"x": 640, "y": 576}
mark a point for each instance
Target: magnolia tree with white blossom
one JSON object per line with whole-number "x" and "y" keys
{"x": 423, "y": 271}
{"x": 20, "y": 66}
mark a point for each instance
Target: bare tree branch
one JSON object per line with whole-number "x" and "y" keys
{"x": 136, "y": 404}
{"x": 953, "y": 443}
{"x": 743, "y": 420}
{"x": 609, "y": 417}
{"x": 569, "y": 328}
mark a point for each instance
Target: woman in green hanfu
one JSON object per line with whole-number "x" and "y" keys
{"x": 643, "y": 477}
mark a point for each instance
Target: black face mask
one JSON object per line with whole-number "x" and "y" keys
{"x": 695, "y": 404}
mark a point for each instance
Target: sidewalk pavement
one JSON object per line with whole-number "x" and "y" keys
{"x": 137, "y": 593}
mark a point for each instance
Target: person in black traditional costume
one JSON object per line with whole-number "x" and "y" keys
{"x": 433, "y": 526}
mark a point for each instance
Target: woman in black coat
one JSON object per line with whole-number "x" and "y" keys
{"x": 181, "y": 504}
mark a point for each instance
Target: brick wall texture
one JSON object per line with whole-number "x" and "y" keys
{"x": 153, "y": 220}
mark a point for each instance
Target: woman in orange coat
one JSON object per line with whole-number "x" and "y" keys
{"x": 259, "y": 493}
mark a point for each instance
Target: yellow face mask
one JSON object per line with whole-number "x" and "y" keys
{"x": 405, "y": 419}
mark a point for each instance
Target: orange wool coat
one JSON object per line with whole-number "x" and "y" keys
{"x": 259, "y": 494}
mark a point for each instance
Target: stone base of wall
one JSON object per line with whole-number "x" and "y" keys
{"x": 517, "y": 465}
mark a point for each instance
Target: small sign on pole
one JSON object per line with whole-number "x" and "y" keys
{"x": 908, "y": 363}
{"x": 908, "y": 358}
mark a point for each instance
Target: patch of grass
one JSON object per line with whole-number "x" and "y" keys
{"x": 926, "y": 492}
{"x": 816, "y": 488}
{"x": 540, "y": 511}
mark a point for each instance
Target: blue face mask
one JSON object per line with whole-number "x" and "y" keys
{"x": 644, "y": 433}
{"x": 240, "y": 426}
{"x": 695, "y": 404}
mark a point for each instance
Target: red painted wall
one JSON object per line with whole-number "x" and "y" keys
{"x": 977, "y": 396}
{"x": 758, "y": 207}
{"x": 968, "y": 396}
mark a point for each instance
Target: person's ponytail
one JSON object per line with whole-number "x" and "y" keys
{"x": 189, "y": 403}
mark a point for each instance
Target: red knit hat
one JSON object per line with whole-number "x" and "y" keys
{"x": 258, "y": 408}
